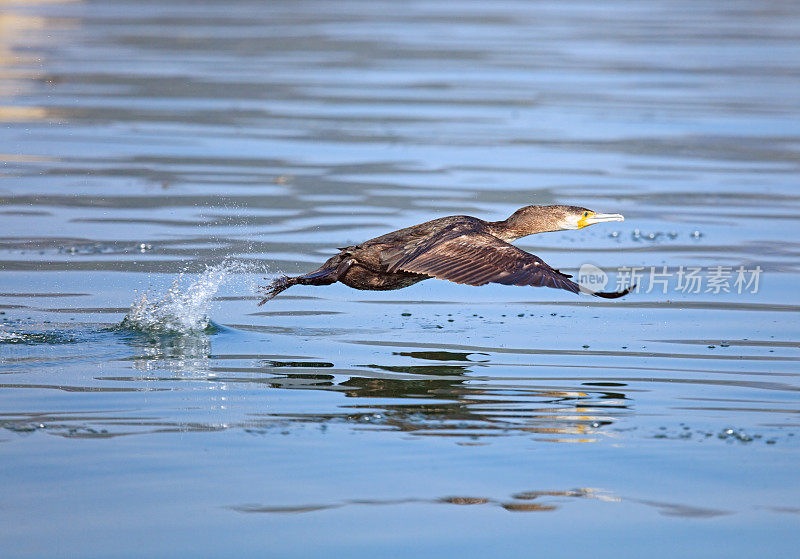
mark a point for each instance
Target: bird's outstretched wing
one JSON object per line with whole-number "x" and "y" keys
{"x": 477, "y": 258}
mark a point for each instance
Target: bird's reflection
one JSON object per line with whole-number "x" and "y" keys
{"x": 441, "y": 355}
{"x": 449, "y": 400}
{"x": 431, "y": 393}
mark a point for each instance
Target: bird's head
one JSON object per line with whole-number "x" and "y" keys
{"x": 575, "y": 217}
{"x": 539, "y": 219}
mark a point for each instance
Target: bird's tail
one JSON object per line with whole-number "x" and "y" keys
{"x": 274, "y": 287}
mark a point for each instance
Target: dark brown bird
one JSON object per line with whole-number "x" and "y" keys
{"x": 458, "y": 248}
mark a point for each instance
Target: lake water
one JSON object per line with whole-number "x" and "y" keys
{"x": 159, "y": 159}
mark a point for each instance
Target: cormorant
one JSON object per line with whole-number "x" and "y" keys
{"x": 459, "y": 248}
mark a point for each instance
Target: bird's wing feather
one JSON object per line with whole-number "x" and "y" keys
{"x": 477, "y": 258}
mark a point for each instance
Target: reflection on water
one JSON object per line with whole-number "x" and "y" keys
{"x": 453, "y": 409}
{"x": 546, "y": 501}
{"x": 186, "y": 354}
{"x": 470, "y": 403}
{"x": 519, "y": 502}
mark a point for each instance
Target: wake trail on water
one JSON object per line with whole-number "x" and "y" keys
{"x": 184, "y": 309}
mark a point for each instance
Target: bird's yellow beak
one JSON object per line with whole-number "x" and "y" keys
{"x": 590, "y": 218}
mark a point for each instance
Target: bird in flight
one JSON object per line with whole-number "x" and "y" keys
{"x": 459, "y": 248}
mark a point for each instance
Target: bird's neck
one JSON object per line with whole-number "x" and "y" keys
{"x": 513, "y": 228}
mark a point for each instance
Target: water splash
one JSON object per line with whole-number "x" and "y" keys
{"x": 183, "y": 309}
{"x": 11, "y": 337}
{"x": 31, "y": 337}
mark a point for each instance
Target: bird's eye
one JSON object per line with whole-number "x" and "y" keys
{"x": 585, "y": 214}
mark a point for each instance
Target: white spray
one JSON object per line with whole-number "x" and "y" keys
{"x": 182, "y": 310}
